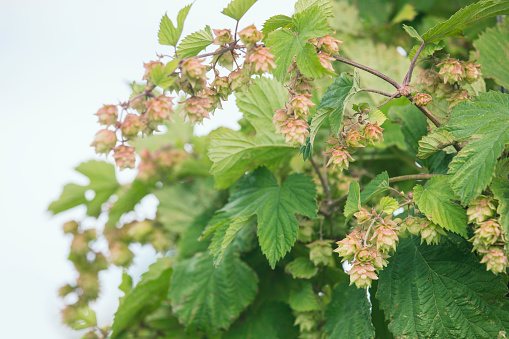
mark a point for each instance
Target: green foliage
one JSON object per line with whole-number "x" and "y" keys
{"x": 301, "y": 268}
{"x": 436, "y": 201}
{"x": 334, "y": 102}
{"x": 493, "y": 53}
{"x": 248, "y": 234}
{"x": 234, "y": 153}
{"x": 434, "y": 142}
{"x": 145, "y": 297}
{"x": 500, "y": 188}
{"x": 275, "y": 22}
{"x": 237, "y": 8}
{"x": 169, "y": 34}
{"x": 348, "y": 314}
{"x": 103, "y": 183}
{"x": 465, "y": 17}
{"x": 195, "y": 42}
{"x": 287, "y": 44}
{"x": 160, "y": 76}
{"x": 275, "y": 206}
{"x": 472, "y": 169}
{"x": 225, "y": 234}
{"x": 429, "y": 291}
{"x": 209, "y": 298}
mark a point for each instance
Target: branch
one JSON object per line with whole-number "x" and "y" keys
{"x": 423, "y": 176}
{"x": 369, "y": 70}
{"x": 322, "y": 180}
{"x": 374, "y": 91}
{"x": 408, "y": 76}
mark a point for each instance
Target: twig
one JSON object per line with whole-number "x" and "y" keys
{"x": 374, "y": 91}
{"x": 367, "y": 232}
{"x": 369, "y": 70}
{"x": 408, "y": 76}
{"x": 422, "y": 176}
{"x": 322, "y": 180}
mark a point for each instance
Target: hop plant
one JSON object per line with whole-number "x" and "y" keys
{"x": 124, "y": 156}
{"x": 350, "y": 245}
{"x": 422, "y": 99}
{"x": 223, "y": 36}
{"x": 362, "y": 274}
{"x": 340, "y": 158}
{"x": 430, "y": 232}
{"x": 481, "y": 209}
{"x": 194, "y": 72}
{"x": 197, "y": 108}
{"x": 295, "y": 130}
{"x": 149, "y": 66}
{"x": 250, "y": 36}
{"x": 327, "y": 44}
{"x": 373, "y": 133}
{"x": 451, "y": 71}
{"x": 300, "y": 104}
{"x": 488, "y": 233}
{"x": 320, "y": 252}
{"x": 495, "y": 259}
{"x": 107, "y": 115}
{"x": 261, "y": 60}
{"x": 104, "y": 141}
{"x": 325, "y": 60}
{"x": 386, "y": 238}
{"x": 131, "y": 125}
{"x": 355, "y": 139}
{"x": 472, "y": 71}
{"x": 455, "y": 97}
{"x": 158, "y": 111}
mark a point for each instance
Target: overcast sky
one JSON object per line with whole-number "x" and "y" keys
{"x": 60, "y": 62}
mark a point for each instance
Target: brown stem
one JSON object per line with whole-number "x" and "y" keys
{"x": 220, "y": 51}
{"x": 426, "y": 112}
{"x": 322, "y": 180}
{"x": 374, "y": 91}
{"x": 369, "y": 70}
{"x": 422, "y": 176}
{"x": 408, "y": 76}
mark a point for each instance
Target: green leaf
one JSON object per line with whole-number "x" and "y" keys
{"x": 301, "y": 268}
{"x": 334, "y": 102}
{"x": 493, "y": 53}
{"x": 353, "y": 201}
{"x": 224, "y": 236}
{"x": 436, "y": 202}
{"x": 168, "y": 34}
{"x": 207, "y": 297}
{"x": 435, "y": 141}
{"x": 500, "y": 189}
{"x": 414, "y": 126}
{"x": 348, "y": 313}
{"x": 275, "y": 206}
{"x": 102, "y": 181}
{"x": 84, "y": 318}
{"x": 378, "y": 185}
{"x": 453, "y": 27}
{"x": 486, "y": 116}
{"x": 376, "y": 116}
{"x": 389, "y": 205}
{"x": 128, "y": 197}
{"x": 194, "y": 43}
{"x": 286, "y": 44}
{"x": 234, "y": 153}
{"x": 181, "y": 203}
{"x": 270, "y": 320}
{"x": 145, "y": 296}
{"x": 325, "y": 6}
{"x": 406, "y": 13}
{"x": 160, "y": 76}
{"x": 304, "y": 299}
{"x": 237, "y": 8}
{"x": 428, "y": 50}
{"x": 276, "y": 22}
{"x": 442, "y": 291}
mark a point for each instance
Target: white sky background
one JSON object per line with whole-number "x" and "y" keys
{"x": 60, "y": 62}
